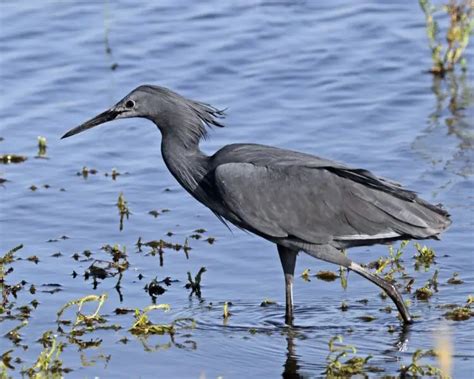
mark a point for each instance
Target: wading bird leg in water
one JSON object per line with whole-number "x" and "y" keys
{"x": 288, "y": 261}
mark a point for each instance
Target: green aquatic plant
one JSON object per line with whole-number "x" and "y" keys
{"x": 425, "y": 257}
{"x": 343, "y": 276}
{"x": 417, "y": 369}
{"x": 226, "y": 313}
{"x": 423, "y": 293}
{"x": 305, "y": 275}
{"x": 87, "y": 319}
{"x": 5, "y": 364}
{"x": 86, "y": 171}
{"x": 461, "y": 313}
{"x": 461, "y": 24}
{"x": 267, "y": 302}
{"x": 48, "y": 363}
{"x": 14, "y": 334}
{"x": 352, "y": 366}
{"x": 42, "y": 146}
{"x": 122, "y": 206}
{"x": 8, "y": 289}
{"x": 143, "y": 325}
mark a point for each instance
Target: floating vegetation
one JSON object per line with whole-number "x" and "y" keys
{"x": 367, "y": 318}
{"x": 143, "y": 325}
{"x": 195, "y": 285}
{"x": 154, "y": 288}
{"x": 48, "y": 364}
{"x": 305, "y": 275}
{"x": 423, "y": 293}
{"x": 101, "y": 269}
{"x": 88, "y": 320}
{"x": 226, "y": 313}
{"x": 159, "y": 246}
{"x": 113, "y": 174}
{"x": 42, "y": 146}
{"x": 424, "y": 257}
{"x": 461, "y": 313}
{"x": 416, "y": 369}
{"x": 352, "y": 366}
{"x": 344, "y": 306}
{"x": 8, "y": 289}
{"x": 267, "y": 303}
{"x": 461, "y": 23}
{"x": 154, "y": 213}
{"x": 5, "y": 363}
{"x": 343, "y": 276}
{"x": 14, "y": 334}
{"x": 455, "y": 279}
{"x": 123, "y": 209}
{"x": 327, "y": 276}
{"x": 210, "y": 240}
{"x": 12, "y": 158}
{"x": 86, "y": 171}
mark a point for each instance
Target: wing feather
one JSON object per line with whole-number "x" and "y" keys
{"x": 318, "y": 205}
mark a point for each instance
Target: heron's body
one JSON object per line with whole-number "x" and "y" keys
{"x": 298, "y": 201}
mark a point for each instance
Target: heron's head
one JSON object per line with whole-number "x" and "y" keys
{"x": 172, "y": 113}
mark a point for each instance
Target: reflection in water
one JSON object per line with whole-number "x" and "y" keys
{"x": 453, "y": 110}
{"x": 291, "y": 367}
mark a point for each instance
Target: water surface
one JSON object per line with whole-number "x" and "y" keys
{"x": 342, "y": 80}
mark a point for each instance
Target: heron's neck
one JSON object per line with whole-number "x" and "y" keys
{"x": 186, "y": 161}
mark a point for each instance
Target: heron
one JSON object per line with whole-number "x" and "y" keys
{"x": 300, "y": 202}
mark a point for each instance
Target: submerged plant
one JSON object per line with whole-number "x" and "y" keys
{"x": 461, "y": 24}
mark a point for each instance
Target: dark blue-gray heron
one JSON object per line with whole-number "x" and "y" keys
{"x": 298, "y": 201}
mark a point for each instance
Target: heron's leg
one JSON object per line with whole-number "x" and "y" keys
{"x": 288, "y": 261}
{"x": 331, "y": 254}
{"x": 389, "y": 289}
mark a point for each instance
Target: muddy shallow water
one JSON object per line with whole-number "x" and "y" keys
{"x": 341, "y": 80}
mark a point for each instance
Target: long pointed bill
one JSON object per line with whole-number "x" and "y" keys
{"x": 102, "y": 118}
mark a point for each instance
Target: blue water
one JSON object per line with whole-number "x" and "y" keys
{"x": 344, "y": 80}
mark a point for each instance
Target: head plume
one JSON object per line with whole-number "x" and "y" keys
{"x": 187, "y": 119}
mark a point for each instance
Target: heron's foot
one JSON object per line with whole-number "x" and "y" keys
{"x": 389, "y": 289}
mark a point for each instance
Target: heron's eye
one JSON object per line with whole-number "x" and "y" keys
{"x": 129, "y": 104}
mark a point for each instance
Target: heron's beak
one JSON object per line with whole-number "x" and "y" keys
{"x": 102, "y": 118}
